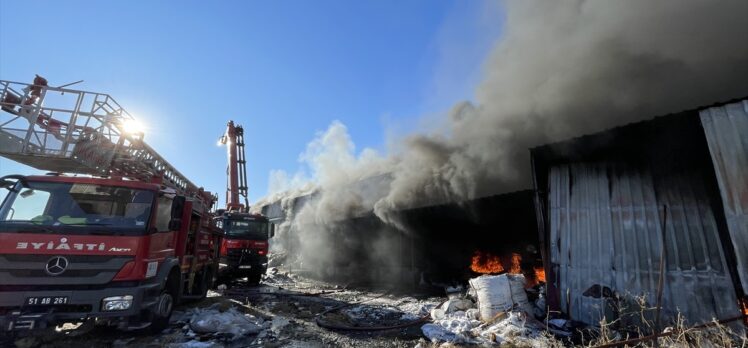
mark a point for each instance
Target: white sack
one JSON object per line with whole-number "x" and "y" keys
{"x": 500, "y": 293}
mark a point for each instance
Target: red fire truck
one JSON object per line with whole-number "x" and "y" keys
{"x": 244, "y": 249}
{"x": 120, "y": 239}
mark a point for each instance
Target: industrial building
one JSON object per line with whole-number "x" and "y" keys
{"x": 433, "y": 244}
{"x": 594, "y": 220}
{"x": 601, "y": 202}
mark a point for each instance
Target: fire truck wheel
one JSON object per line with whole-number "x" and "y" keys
{"x": 165, "y": 306}
{"x": 206, "y": 283}
{"x": 254, "y": 278}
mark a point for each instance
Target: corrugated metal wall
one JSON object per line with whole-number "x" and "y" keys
{"x": 605, "y": 229}
{"x": 726, "y": 129}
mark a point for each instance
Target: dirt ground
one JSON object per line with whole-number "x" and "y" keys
{"x": 283, "y": 311}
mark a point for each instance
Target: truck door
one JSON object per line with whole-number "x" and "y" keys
{"x": 162, "y": 238}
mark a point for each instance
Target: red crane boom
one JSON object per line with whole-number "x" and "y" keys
{"x": 236, "y": 170}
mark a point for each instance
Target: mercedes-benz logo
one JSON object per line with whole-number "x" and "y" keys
{"x": 56, "y": 265}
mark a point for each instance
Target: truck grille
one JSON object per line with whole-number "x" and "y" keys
{"x": 81, "y": 269}
{"x": 25, "y": 273}
{"x": 243, "y": 256}
{"x": 71, "y": 258}
{"x": 46, "y": 309}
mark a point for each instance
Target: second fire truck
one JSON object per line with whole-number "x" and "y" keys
{"x": 244, "y": 249}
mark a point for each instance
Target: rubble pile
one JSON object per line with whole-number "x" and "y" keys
{"x": 500, "y": 314}
{"x": 230, "y": 322}
{"x": 274, "y": 276}
{"x": 218, "y": 324}
{"x": 374, "y": 314}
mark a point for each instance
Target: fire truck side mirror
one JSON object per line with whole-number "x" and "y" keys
{"x": 7, "y": 184}
{"x": 177, "y": 207}
{"x": 272, "y": 231}
{"x": 175, "y": 224}
{"x": 9, "y": 181}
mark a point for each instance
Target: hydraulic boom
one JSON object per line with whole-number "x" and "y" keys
{"x": 236, "y": 171}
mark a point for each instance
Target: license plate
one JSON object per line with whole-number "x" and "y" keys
{"x": 245, "y": 266}
{"x": 46, "y": 300}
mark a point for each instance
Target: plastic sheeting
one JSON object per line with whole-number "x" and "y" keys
{"x": 726, "y": 129}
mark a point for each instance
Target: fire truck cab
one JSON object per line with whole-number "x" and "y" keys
{"x": 244, "y": 247}
{"x": 120, "y": 241}
{"x": 117, "y": 251}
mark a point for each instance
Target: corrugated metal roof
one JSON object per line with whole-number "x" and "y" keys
{"x": 726, "y": 129}
{"x": 605, "y": 228}
{"x": 561, "y": 147}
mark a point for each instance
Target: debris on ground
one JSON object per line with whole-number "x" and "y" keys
{"x": 279, "y": 323}
{"x": 501, "y": 314}
{"x": 231, "y": 322}
{"x": 193, "y": 344}
{"x": 286, "y": 311}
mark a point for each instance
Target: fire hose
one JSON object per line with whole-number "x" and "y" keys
{"x": 281, "y": 294}
{"x": 425, "y": 318}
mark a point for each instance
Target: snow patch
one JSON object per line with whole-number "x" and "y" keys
{"x": 229, "y": 322}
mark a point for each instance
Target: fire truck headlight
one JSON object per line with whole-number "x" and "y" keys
{"x": 116, "y": 303}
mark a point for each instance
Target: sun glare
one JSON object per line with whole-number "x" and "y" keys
{"x": 133, "y": 126}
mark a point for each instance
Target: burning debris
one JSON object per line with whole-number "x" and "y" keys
{"x": 486, "y": 263}
{"x": 539, "y": 274}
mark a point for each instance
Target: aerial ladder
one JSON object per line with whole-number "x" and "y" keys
{"x": 72, "y": 131}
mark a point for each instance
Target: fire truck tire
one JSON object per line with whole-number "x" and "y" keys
{"x": 254, "y": 278}
{"x": 167, "y": 300}
{"x": 206, "y": 282}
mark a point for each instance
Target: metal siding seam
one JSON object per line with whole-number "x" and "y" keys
{"x": 584, "y": 232}
{"x": 726, "y": 130}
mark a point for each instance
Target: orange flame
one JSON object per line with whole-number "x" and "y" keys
{"x": 539, "y": 274}
{"x": 489, "y": 263}
{"x": 516, "y": 260}
{"x": 486, "y": 263}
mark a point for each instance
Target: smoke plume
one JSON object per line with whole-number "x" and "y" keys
{"x": 561, "y": 69}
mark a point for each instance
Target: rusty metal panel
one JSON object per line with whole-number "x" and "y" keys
{"x": 605, "y": 229}
{"x": 726, "y": 129}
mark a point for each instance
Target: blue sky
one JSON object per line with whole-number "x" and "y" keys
{"x": 283, "y": 69}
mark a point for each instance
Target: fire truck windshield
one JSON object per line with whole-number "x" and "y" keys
{"x": 75, "y": 207}
{"x": 246, "y": 229}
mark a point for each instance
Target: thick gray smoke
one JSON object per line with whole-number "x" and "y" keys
{"x": 566, "y": 68}
{"x": 560, "y": 70}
